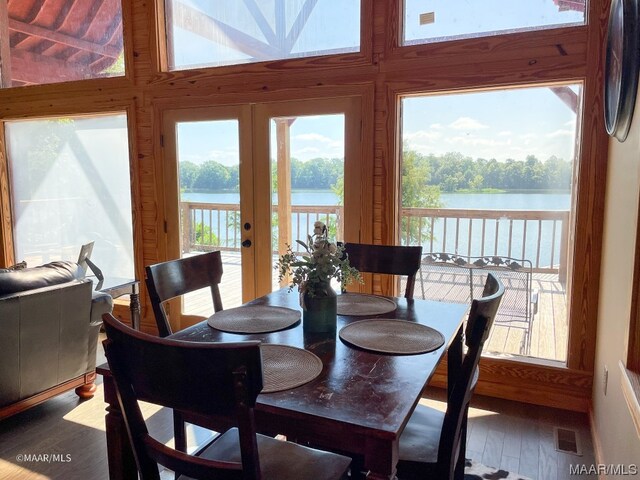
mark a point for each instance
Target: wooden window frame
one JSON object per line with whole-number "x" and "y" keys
{"x": 163, "y": 50}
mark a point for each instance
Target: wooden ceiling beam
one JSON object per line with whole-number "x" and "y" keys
{"x": 208, "y": 27}
{"x": 5, "y": 52}
{"x": 33, "y": 68}
{"x": 568, "y": 96}
{"x": 300, "y": 23}
{"x": 261, "y": 21}
{"x": 56, "y": 37}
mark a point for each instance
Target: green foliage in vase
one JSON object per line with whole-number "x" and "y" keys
{"x": 313, "y": 270}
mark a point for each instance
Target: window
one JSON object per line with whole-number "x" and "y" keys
{"x": 488, "y": 174}
{"x": 205, "y": 33}
{"x": 441, "y": 20}
{"x": 70, "y": 185}
{"x": 60, "y": 41}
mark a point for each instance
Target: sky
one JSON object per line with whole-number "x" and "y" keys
{"x": 500, "y": 124}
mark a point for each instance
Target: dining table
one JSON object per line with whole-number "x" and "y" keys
{"x": 359, "y": 403}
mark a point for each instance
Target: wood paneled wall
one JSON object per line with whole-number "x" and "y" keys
{"x": 379, "y": 74}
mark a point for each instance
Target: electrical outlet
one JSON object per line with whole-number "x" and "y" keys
{"x": 605, "y": 379}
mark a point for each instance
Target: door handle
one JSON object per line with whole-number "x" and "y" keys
{"x": 246, "y": 243}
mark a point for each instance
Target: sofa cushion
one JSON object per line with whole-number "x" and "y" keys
{"x": 54, "y": 273}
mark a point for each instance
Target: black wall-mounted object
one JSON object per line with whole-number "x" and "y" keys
{"x": 621, "y": 67}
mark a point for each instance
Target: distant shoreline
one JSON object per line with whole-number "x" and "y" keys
{"x": 483, "y": 191}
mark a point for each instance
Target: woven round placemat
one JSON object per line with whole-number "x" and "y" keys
{"x": 285, "y": 367}
{"x": 386, "y": 335}
{"x": 254, "y": 319}
{"x": 359, "y": 304}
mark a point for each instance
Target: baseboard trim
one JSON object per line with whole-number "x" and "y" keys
{"x": 595, "y": 439}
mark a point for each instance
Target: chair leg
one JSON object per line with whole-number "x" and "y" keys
{"x": 357, "y": 469}
{"x": 459, "y": 471}
{"x": 179, "y": 432}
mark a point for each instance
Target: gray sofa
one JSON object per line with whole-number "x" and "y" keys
{"x": 50, "y": 320}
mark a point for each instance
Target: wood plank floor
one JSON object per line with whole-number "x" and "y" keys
{"x": 502, "y": 433}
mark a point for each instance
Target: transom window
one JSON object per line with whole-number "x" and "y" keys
{"x": 205, "y": 33}
{"x": 439, "y": 20}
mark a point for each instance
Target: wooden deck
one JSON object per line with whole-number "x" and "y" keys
{"x": 548, "y": 329}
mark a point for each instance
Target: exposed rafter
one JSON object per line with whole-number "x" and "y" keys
{"x": 208, "y": 27}
{"x": 568, "y": 96}
{"x": 279, "y": 44}
{"x": 49, "y": 69}
{"x": 5, "y": 51}
{"x": 46, "y": 34}
{"x": 261, "y": 21}
{"x": 300, "y": 22}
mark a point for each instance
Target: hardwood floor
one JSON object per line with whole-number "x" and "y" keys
{"x": 510, "y": 435}
{"x": 520, "y": 437}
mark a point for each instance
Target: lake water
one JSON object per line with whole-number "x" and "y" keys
{"x": 491, "y": 201}
{"x": 445, "y": 232}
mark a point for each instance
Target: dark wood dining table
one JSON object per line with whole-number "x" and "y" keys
{"x": 358, "y": 405}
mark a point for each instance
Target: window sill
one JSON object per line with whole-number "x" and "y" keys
{"x": 631, "y": 390}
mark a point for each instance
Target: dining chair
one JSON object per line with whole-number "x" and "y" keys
{"x": 432, "y": 444}
{"x": 174, "y": 278}
{"x": 170, "y": 373}
{"x": 387, "y": 259}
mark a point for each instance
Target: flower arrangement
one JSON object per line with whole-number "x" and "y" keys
{"x": 313, "y": 270}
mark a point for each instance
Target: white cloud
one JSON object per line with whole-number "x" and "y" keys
{"x": 505, "y": 133}
{"x": 467, "y": 123}
{"x": 560, "y": 133}
{"x": 435, "y": 126}
{"x": 475, "y": 141}
{"x": 313, "y": 137}
{"x": 422, "y": 134}
{"x": 304, "y": 152}
{"x": 528, "y": 136}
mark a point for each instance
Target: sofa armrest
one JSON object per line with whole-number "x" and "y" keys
{"x": 101, "y": 303}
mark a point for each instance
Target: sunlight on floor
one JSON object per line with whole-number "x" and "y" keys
{"x": 438, "y": 405}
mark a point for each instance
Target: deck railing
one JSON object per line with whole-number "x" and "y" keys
{"x": 539, "y": 236}
{"x": 209, "y": 226}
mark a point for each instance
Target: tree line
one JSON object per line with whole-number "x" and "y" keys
{"x": 315, "y": 174}
{"x": 451, "y": 172}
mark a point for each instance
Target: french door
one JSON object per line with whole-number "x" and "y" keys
{"x": 249, "y": 180}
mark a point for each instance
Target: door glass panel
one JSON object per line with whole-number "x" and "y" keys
{"x": 205, "y": 33}
{"x": 489, "y": 174}
{"x": 307, "y": 167}
{"x": 441, "y": 20}
{"x": 70, "y": 185}
{"x": 208, "y": 162}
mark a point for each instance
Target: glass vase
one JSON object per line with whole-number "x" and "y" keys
{"x": 319, "y": 312}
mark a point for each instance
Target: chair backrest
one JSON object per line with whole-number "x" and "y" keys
{"x": 204, "y": 378}
{"x": 481, "y": 316}
{"x": 171, "y": 279}
{"x": 387, "y": 259}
